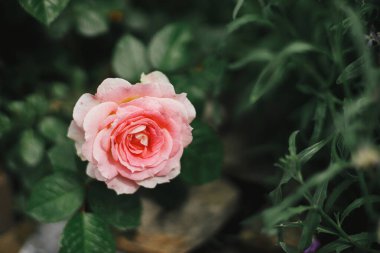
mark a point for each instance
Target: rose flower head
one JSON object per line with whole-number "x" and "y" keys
{"x": 132, "y": 135}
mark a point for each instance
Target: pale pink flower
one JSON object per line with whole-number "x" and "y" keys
{"x": 132, "y": 135}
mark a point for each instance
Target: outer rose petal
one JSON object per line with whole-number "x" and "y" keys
{"x": 171, "y": 170}
{"x": 159, "y": 80}
{"x": 76, "y": 133}
{"x": 188, "y": 106}
{"x": 95, "y": 117}
{"x": 92, "y": 123}
{"x": 155, "y": 77}
{"x": 84, "y": 104}
{"x": 153, "y": 181}
{"x": 93, "y": 172}
{"x": 114, "y": 89}
{"x": 104, "y": 166}
{"x": 186, "y": 135}
{"x": 122, "y": 185}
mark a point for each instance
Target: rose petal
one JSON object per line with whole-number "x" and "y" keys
{"x": 104, "y": 165}
{"x": 135, "y": 162}
{"x": 93, "y": 172}
{"x": 155, "y": 77}
{"x": 122, "y": 185}
{"x": 91, "y": 125}
{"x": 76, "y": 133}
{"x": 96, "y": 116}
{"x": 114, "y": 89}
{"x": 188, "y": 106}
{"x": 85, "y": 103}
{"x": 153, "y": 181}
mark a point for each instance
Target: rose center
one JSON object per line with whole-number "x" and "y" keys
{"x": 138, "y": 138}
{"x": 143, "y": 138}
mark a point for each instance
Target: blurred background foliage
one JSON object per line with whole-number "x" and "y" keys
{"x": 287, "y": 90}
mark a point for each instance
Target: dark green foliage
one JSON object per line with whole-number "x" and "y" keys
{"x": 87, "y": 233}
{"x": 256, "y": 71}
{"x": 202, "y": 160}
{"x": 120, "y": 211}
{"x": 55, "y": 198}
{"x": 46, "y": 10}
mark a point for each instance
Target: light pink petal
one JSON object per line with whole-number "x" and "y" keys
{"x": 82, "y": 107}
{"x": 76, "y": 133}
{"x": 91, "y": 125}
{"x": 153, "y": 181}
{"x": 155, "y": 77}
{"x": 160, "y": 82}
{"x": 161, "y": 170}
{"x": 104, "y": 166}
{"x": 171, "y": 170}
{"x": 93, "y": 172}
{"x": 142, "y": 174}
{"x": 114, "y": 89}
{"x": 188, "y": 106}
{"x": 172, "y": 163}
{"x": 135, "y": 163}
{"x": 95, "y": 117}
{"x": 186, "y": 135}
{"x": 122, "y": 185}
{"x": 167, "y": 107}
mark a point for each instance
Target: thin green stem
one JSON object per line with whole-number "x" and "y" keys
{"x": 367, "y": 202}
{"x": 342, "y": 233}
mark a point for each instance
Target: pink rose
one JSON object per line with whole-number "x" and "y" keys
{"x": 132, "y": 135}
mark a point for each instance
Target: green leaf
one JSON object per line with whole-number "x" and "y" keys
{"x": 287, "y": 214}
{"x": 202, "y": 160}
{"x": 44, "y": 11}
{"x": 334, "y": 195}
{"x": 357, "y": 203}
{"x": 306, "y": 154}
{"x": 55, "y": 198}
{"x": 272, "y": 74}
{"x": 63, "y": 156}
{"x": 362, "y": 239}
{"x": 38, "y": 103}
{"x": 287, "y": 248}
{"x": 169, "y": 49}
{"x": 91, "y": 22}
{"x": 292, "y": 143}
{"x": 276, "y": 194}
{"x": 270, "y": 214}
{"x": 319, "y": 118}
{"x": 257, "y": 55}
{"x": 238, "y": 6}
{"x": 313, "y": 217}
{"x": 282, "y": 217}
{"x": 31, "y": 148}
{"x": 130, "y": 58}
{"x": 335, "y": 246}
{"x": 352, "y": 71}
{"x": 52, "y": 128}
{"x": 87, "y": 233}
{"x": 121, "y": 211}
{"x": 246, "y": 19}
{"x": 5, "y": 124}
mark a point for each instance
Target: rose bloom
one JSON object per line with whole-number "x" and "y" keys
{"x": 132, "y": 135}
